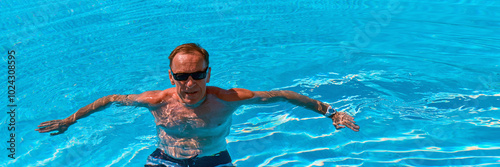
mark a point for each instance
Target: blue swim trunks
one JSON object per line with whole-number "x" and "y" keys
{"x": 159, "y": 159}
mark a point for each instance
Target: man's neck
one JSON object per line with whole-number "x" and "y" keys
{"x": 196, "y": 104}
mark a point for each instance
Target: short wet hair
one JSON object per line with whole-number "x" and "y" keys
{"x": 188, "y": 48}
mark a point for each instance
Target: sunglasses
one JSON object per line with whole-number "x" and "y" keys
{"x": 196, "y": 75}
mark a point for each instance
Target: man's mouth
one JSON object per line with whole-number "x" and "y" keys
{"x": 191, "y": 92}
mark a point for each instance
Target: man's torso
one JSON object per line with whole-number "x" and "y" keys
{"x": 186, "y": 132}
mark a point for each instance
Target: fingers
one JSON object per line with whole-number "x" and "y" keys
{"x": 48, "y": 123}
{"x": 349, "y": 118}
{"x": 52, "y": 126}
{"x": 346, "y": 121}
{"x": 46, "y": 128}
{"x": 41, "y": 130}
{"x": 352, "y": 126}
{"x": 337, "y": 126}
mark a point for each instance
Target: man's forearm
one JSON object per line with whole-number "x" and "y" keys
{"x": 295, "y": 98}
{"x": 97, "y": 105}
{"x": 304, "y": 101}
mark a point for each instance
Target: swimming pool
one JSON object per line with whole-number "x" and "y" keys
{"x": 421, "y": 78}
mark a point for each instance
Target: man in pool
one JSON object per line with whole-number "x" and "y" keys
{"x": 192, "y": 119}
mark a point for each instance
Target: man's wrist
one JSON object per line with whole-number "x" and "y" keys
{"x": 70, "y": 120}
{"x": 330, "y": 112}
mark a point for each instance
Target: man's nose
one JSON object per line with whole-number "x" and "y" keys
{"x": 190, "y": 82}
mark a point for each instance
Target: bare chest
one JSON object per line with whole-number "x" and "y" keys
{"x": 177, "y": 118}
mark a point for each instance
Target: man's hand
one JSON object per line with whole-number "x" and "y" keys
{"x": 342, "y": 118}
{"x": 59, "y": 125}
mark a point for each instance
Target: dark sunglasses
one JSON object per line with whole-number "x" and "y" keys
{"x": 196, "y": 75}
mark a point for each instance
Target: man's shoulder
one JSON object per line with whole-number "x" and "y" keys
{"x": 165, "y": 92}
{"x": 234, "y": 94}
{"x": 156, "y": 96}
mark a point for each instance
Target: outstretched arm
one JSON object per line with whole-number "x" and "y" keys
{"x": 340, "y": 119}
{"x": 292, "y": 97}
{"x": 62, "y": 125}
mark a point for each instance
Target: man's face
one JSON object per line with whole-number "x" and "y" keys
{"x": 190, "y": 91}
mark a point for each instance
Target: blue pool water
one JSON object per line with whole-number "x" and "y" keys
{"x": 421, "y": 78}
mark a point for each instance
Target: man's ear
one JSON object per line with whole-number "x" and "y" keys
{"x": 208, "y": 74}
{"x": 171, "y": 77}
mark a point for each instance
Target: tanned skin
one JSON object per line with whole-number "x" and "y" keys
{"x": 193, "y": 119}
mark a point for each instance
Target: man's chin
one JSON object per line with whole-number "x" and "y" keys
{"x": 190, "y": 101}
